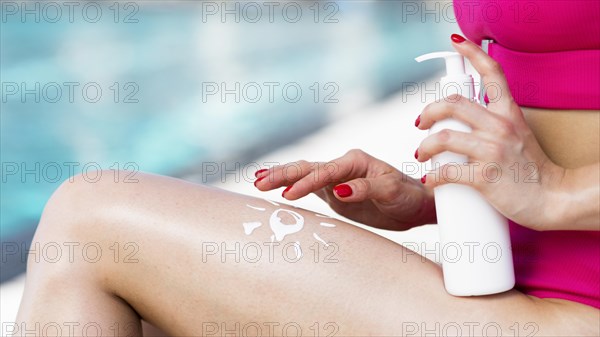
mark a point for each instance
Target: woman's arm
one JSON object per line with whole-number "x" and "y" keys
{"x": 357, "y": 186}
{"x": 506, "y": 163}
{"x": 578, "y": 199}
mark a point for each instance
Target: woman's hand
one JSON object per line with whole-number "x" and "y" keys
{"x": 506, "y": 163}
{"x": 357, "y": 186}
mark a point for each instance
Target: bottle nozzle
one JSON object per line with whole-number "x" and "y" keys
{"x": 455, "y": 63}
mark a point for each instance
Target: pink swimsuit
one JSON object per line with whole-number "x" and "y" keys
{"x": 550, "y": 54}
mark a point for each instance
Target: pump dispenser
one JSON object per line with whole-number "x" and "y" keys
{"x": 475, "y": 241}
{"x": 455, "y": 64}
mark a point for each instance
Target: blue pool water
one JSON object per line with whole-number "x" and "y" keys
{"x": 154, "y": 113}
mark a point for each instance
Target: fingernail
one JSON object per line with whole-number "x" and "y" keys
{"x": 457, "y": 38}
{"x": 257, "y": 180}
{"x": 417, "y": 154}
{"x": 424, "y": 179}
{"x": 486, "y": 99}
{"x": 257, "y": 173}
{"x": 418, "y": 121}
{"x": 343, "y": 190}
{"x": 286, "y": 189}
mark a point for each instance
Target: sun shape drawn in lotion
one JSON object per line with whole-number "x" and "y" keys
{"x": 281, "y": 230}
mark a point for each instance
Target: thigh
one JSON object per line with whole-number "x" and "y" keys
{"x": 149, "y": 330}
{"x": 205, "y": 261}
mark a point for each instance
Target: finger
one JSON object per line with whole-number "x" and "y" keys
{"x": 260, "y": 173}
{"x": 283, "y": 175}
{"x": 494, "y": 81}
{"x": 352, "y": 165}
{"x": 469, "y": 144}
{"x": 460, "y": 108}
{"x": 324, "y": 193}
{"x": 452, "y": 173}
{"x": 382, "y": 189}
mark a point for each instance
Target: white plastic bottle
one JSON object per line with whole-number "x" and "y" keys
{"x": 474, "y": 237}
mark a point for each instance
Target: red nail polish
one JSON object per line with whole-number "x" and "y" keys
{"x": 418, "y": 121}
{"x": 486, "y": 99}
{"x": 257, "y": 180}
{"x": 417, "y": 154}
{"x": 257, "y": 173}
{"x": 457, "y": 38}
{"x": 286, "y": 189}
{"x": 343, "y": 190}
{"x": 424, "y": 179}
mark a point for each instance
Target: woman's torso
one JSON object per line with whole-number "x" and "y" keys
{"x": 569, "y": 137}
{"x": 561, "y": 264}
{"x": 550, "y": 53}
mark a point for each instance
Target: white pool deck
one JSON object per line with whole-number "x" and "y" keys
{"x": 385, "y": 130}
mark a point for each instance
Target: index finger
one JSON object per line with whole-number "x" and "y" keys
{"x": 349, "y": 166}
{"x": 491, "y": 72}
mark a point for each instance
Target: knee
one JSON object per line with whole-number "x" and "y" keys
{"x": 91, "y": 191}
{"x": 75, "y": 203}
{"x": 72, "y": 226}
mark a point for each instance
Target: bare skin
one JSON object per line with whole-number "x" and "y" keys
{"x": 376, "y": 288}
{"x": 568, "y": 137}
{"x": 371, "y": 286}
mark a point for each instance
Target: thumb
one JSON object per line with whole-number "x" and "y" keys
{"x": 382, "y": 188}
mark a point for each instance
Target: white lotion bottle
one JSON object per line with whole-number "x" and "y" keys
{"x": 475, "y": 245}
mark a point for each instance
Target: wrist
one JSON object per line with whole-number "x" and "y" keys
{"x": 577, "y": 199}
{"x": 427, "y": 212}
{"x": 556, "y": 198}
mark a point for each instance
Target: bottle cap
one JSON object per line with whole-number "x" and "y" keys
{"x": 455, "y": 62}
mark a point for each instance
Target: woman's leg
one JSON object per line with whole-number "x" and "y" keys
{"x": 150, "y": 330}
{"x": 194, "y": 260}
